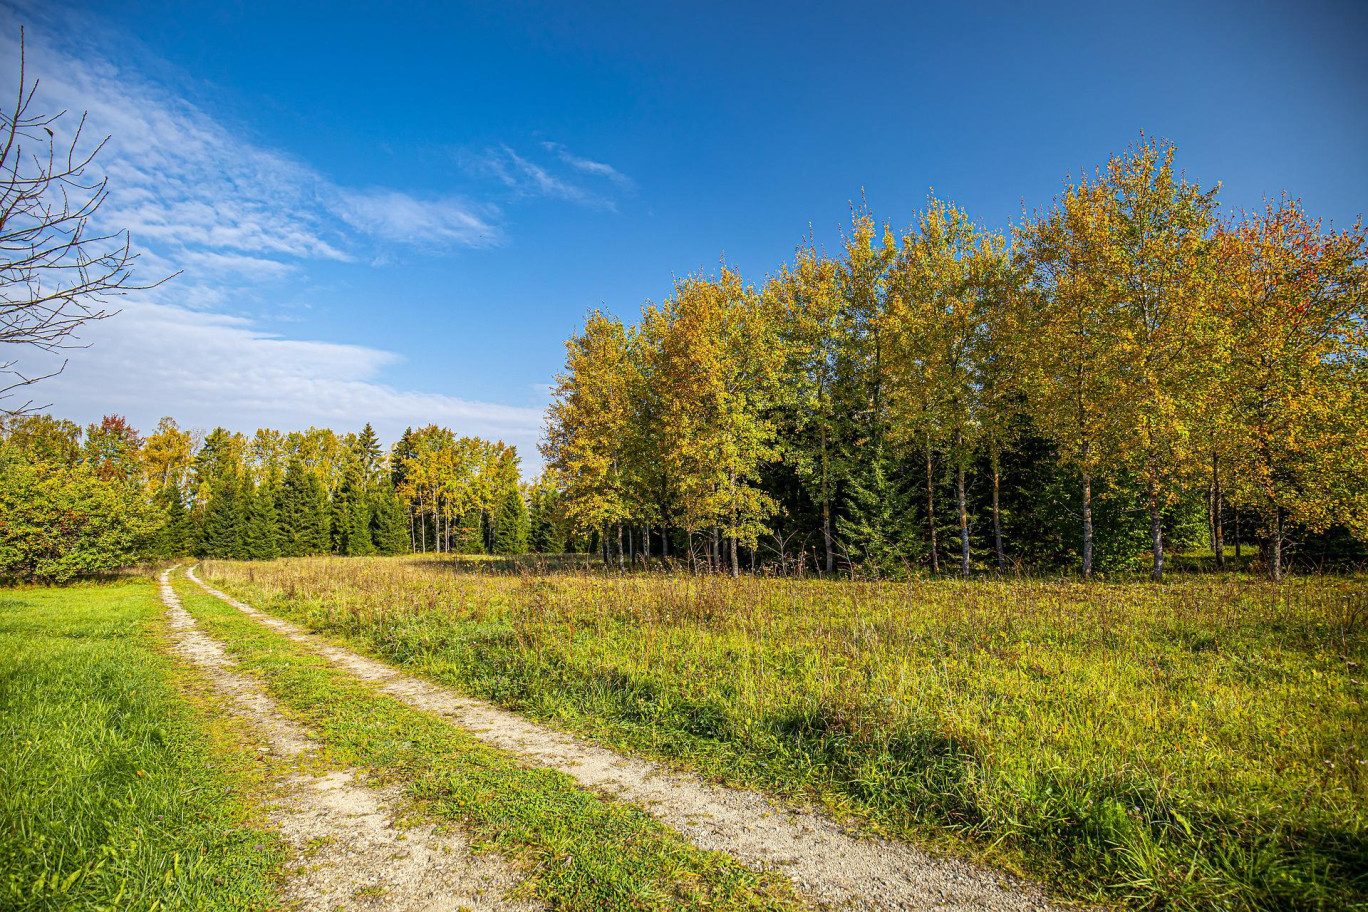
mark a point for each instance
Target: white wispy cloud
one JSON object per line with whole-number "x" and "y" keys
{"x": 404, "y": 219}
{"x": 200, "y": 192}
{"x": 217, "y": 262}
{"x": 588, "y": 165}
{"x": 532, "y": 179}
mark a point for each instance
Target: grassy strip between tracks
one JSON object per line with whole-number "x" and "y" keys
{"x": 578, "y": 850}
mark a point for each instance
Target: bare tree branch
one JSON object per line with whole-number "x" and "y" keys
{"x": 56, "y": 273}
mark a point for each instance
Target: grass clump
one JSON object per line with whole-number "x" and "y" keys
{"x": 1192, "y": 746}
{"x": 579, "y": 851}
{"x": 112, "y": 793}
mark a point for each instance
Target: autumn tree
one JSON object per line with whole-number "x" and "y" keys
{"x": 1294, "y": 308}
{"x": 591, "y": 416}
{"x": 43, "y": 438}
{"x": 719, "y": 363}
{"x": 810, "y": 325}
{"x": 60, "y": 520}
{"x": 873, "y": 527}
{"x": 111, "y": 449}
{"x": 943, "y": 285}
{"x": 167, "y": 457}
{"x": 1066, "y": 335}
{"x": 1156, "y": 270}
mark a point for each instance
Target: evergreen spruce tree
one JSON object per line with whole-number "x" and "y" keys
{"x": 176, "y": 536}
{"x": 339, "y": 523}
{"x": 405, "y": 449}
{"x": 511, "y": 526}
{"x": 261, "y": 535}
{"x": 221, "y": 534}
{"x": 472, "y": 533}
{"x": 359, "y": 539}
{"x": 351, "y": 519}
{"x": 370, "y": 458}
{"x": 876, "y": 511}
{"x": 547, "y": 534}
{"x": 388, "y": 523}
{"x": 302, "y": 514}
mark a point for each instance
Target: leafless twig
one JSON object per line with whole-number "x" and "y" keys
{"x": 56, "y": 272}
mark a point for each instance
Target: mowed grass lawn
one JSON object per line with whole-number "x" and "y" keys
{"x": 1197, "y": 745}
{"x": 116, "y": 791}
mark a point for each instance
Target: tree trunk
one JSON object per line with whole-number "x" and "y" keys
{"x": 1275, "y": 547}
{"x": 997, "y": 518}
{"x": 931, "y": 508}
{"x": 1156, "y": 533}
{"x": 716, "y": 551}
{"x": 1217, "y": 508}
{"x": 1211, "y": 517}
{"x": 1238, "y": 555}
{"x": 735, "y": 560}
{"x": 826, "y": 511}
{"x": 603, "y": 546}
{"x": 619, "y": 546}
{"x": 964, "y": 524}
{"x": 1087, "y": 523}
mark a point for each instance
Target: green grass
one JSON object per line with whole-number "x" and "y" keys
{"x": 579, "y": 851}
{"x": 1192, "y": 746}
{"x": 113, "y": 794}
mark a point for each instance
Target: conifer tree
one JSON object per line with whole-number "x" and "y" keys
{"x": 860, "y": 383}
{"x": 176, "y": 535}
{"x": 370, "y": 458}
{"x": 547, "y": 527}
{"x": 261, "y": 533}
{"x": 351, "y": 516}
{"x": 224, "y": 524}
{"x": 875, "y": 525}
{"x": 388, "y": 523}
{"x": 511, "y": 524}
{"x": 302, "y": 512}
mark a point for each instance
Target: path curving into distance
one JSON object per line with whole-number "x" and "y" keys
{"x": 357, "y": 857}
{"x": 824, "y": 861}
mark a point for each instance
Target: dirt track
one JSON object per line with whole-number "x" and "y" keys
{"x": 355, "y": 856}
{"x": 827, "y": 863}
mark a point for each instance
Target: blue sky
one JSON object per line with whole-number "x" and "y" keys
{"x": 398, "y": 214}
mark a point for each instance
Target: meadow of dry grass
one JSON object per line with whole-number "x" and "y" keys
{"x": 1195, "y": 745}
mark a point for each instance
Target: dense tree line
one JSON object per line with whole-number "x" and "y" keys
{"x": 76, "y": 501}
{"x": 1124, "y": 372}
